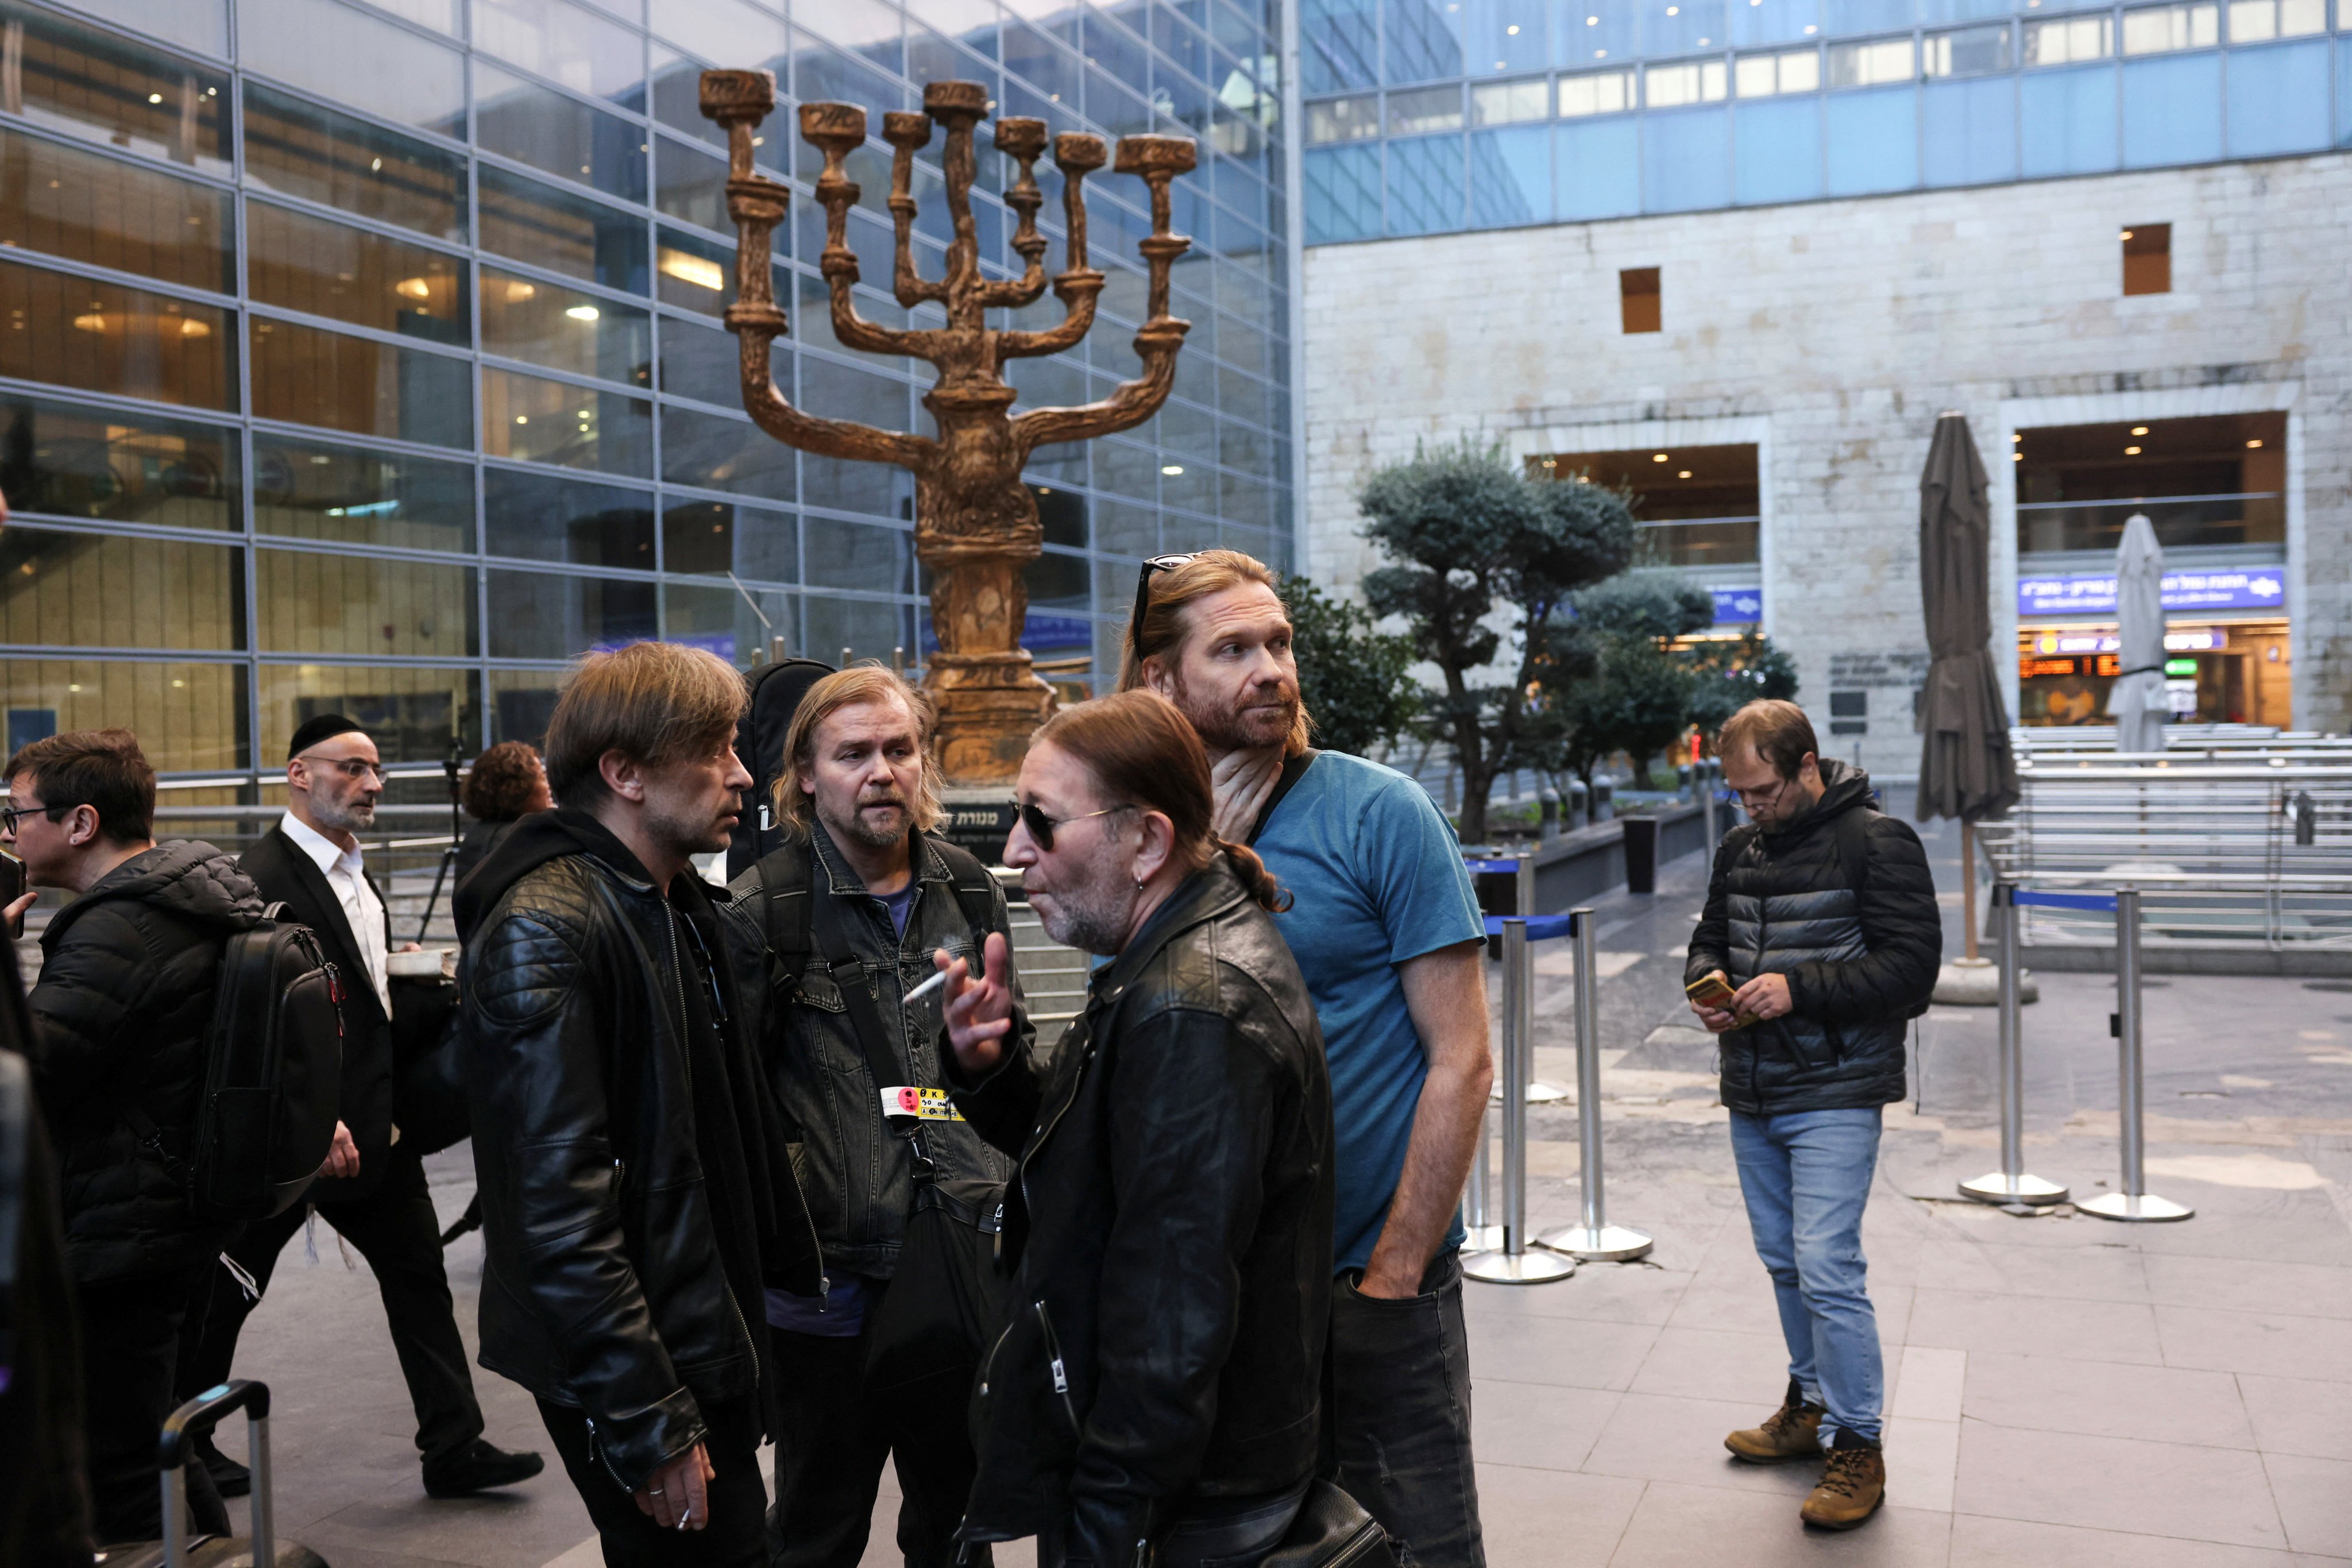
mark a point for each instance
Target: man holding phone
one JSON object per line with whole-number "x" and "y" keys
{"x": 1820, "y": 942}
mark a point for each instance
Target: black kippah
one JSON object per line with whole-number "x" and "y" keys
{"x": 325, "y": 727}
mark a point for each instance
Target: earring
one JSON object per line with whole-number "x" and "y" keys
{"x": 1139, "y": 884}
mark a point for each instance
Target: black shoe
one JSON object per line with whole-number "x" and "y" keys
{"x": 477, "y": 1467}
{"x": 229, "y": 1478}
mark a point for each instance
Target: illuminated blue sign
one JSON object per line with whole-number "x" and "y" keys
{"x": 1737, "y": 606}
{"x": 2093, "y": 594}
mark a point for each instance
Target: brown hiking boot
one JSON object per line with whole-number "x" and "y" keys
{"x": 1851, "y": 1487}
{"x": 1792, "y": 1432}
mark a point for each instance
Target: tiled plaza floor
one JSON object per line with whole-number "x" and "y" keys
{"x": 2062, "y": 1391}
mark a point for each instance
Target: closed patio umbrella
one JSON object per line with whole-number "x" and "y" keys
{"x": 2137, "y": 702}
{"x": 1966, "y": 768}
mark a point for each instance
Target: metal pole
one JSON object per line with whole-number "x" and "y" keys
{"x": 1595, "y": 1239}
{"x": 265, "y": 1507}
{"x": 1515, "y": 1264}
{"x": 1478, "y": 1209}
{"x": 1706, "y": 773}
{"x": 2010, "y": 1184}
{"x": 175, "y": 1517}
{"x": 2135, "y": 1202}
{"x": 1539, "y": 1092}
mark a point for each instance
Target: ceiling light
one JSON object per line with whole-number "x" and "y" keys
{"x": 1657, "y": 457}
{"x": 583, "y": 413}
{"x": 375, "y": 165}
{"x": 1513, "y": 29}
{"x": 582, "y": 312}
{"x": 1811, "y": 29}
{"x": 694, "y": 270}
{"x": 95, "y": 322}
{"x": 2019, "y": 436}
{"x": 1682, "y": 473}
{"x": 2255, "y": 442}
{"x": 154, "y": 98}
{"x": 2131, "y": 451}
{"x": 518, "y": 290}
{"x": 413, "y": 288}
{"x": 2127, "y": 233}
{"x": 1592, "y": 21}
{"x": 190, "y": 328}
{"x": 2139, "y": 429}
{"x": 523, "y": 419}
{"x": 2017, "y": 457}
{"x": 1171, "y": 468}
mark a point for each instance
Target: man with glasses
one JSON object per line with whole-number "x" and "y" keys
{"x": 1822, "y": 913}
{"x": 370, "y": 1190}
{"x": 1387, "y": 931}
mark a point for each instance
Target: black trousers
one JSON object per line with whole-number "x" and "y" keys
{"x": 130, "y": 1354}
{"x": 833, "y": 1436}
{"x": 735, "y": 1537}
{"x": 1396, "y": 1416}
{"x": 397, "y": 1231}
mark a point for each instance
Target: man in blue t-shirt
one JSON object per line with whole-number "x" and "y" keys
{"x": 1388, "y": 933}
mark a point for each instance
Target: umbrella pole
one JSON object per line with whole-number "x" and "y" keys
{"x": 1969, "y": 883}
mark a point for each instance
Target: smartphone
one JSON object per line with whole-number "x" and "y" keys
{"x": 1711, "y": 990}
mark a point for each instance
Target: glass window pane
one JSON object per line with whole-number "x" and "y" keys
{"x": 534, "y": 420}
{"x": 1874, "y": 142}
{"x": 1969, "y": 132}
{"x": 843, "y": 392}
{"x": 1777, "y": 151}
{"x": 711, "y": 452}
{"x": 2278, "y": 100}
{"x": 1343, "y": 193}
{"x": 562, "y": 43}
{"x": 2172, "y": 112}
{"x": 1430, "y": 109}
{"x": 1509, "y": 102}
{"x": 312, "y": 489}
{"x": 543, "y": 517}
{"x": 1510, "y": 177}
{"x": 1505, "y": 35}
{"x": 190, "y": 717}
{"x": 1686, "y": 162}
{"x": 858, "y": 555}
{"x": 1846, "y": 18}
{"x": 1339, "y": 44}
{"x": 690, "y": 185}
{"x": 312, "y": 602}
{"x": 523, "y": 701}
{"x": 563, "y": 329}
{"x": 2167, "y": 29}
{"x": 1874, "y": 64}
{"x": 302, "y": 263}
{"x": 71, "y": 462}
{"x": 1421, "y": 42}
{"x": 1685, "y": 82}
{"x": 350, "y": 57}
{"x": 89, "y": 590}
{"x": 1596, "y": 92}
{"x": 306, "y": 376}
{"x": 1776, "y": 21}
{"x": 413, "y": 715}
{"x": 302, "y": 150}
{"x": 103, "y": 337}
{"x": 725, "y": 29}
{"x": 1343, "y": 118}
{"x": 1584, "y": 31}
{"x": 712, "y": 538}
{"x": 194, "y": 23}
{"x": 112, "y": 214}
{"x": 572, "y": 234}
{"x": 852, "y": 629}
{"x": 2069, "y": 39}
{"x": 1972, "y": 51}
{"x": 2067, "y": 121}
{"x": 1425, "y": 185}
{"x": 722, "y": 620}
{"x": 541, "y": 127}
{"x": 538, "y": 615}
{"x": 703, "y": 362}
{"x": 100, "y": 88}
{"x": 1672, "y": 26}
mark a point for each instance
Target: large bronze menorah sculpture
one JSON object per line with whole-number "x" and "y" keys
{"x": 976, "y": 523}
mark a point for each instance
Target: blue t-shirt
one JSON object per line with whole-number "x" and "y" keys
{"x": 1375, "y": 875}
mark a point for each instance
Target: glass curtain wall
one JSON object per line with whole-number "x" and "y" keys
{"x": 1429, "y": 116}
{"x": 369, "y": 357}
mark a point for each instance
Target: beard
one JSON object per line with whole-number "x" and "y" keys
{"x": 1261, "y": 722}
{"x": 1093, "y": 913}
{"x": 355, "y": 816}
{"x": 870, "y": 828}
{"x": 693, "y": 835}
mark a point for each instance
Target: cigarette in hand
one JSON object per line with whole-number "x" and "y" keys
{"x": 925, "y": 989}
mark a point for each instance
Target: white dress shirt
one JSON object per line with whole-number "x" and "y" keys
{"x": 361, "y": 908}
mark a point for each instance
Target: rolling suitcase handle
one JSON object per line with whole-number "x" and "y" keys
{"x": 182, "y": 1428}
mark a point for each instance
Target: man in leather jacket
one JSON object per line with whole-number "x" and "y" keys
{"x": 1153, "y": 1394}
{"x": 1822, "y": 913}
{"x": 636, "y": 1198}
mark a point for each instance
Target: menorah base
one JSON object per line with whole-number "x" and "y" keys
{"x": 989, "y": 706}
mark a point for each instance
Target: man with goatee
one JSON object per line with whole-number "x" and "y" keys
{"x": 1388, "y": 933}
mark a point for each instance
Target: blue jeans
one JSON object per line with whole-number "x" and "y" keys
{"x": 1806, "y": 1176}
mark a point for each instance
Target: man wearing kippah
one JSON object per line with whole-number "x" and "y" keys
{"x": 370, "y": 1189}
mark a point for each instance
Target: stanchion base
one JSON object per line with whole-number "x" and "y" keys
{"x": 1610, "y": 1244}
{"x": 1542, "y": 1093}
{"x": 1997, "y": 1187}
{"x": 2146, "y": 1208}
{"x": 1481, "y": 1239}
{"x": 1517, "y": 1268}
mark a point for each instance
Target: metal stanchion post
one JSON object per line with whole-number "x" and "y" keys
{"x": 1594, "y": 1238}
{"x": 1705, "y": 776}
{"x": 1478, "y": 1205}
{"x": 1539, "y": 1092}
{"x": 2135, "y": 1202}
{"x": 2010, "y": 1184}
{"x": 1514, "y": 1264}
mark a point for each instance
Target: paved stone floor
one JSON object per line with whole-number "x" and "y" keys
{"x": 2064, "y": 1391}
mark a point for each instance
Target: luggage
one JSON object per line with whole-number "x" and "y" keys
{"x": 181, "y": 1430}
{"x": 776, "y": 692}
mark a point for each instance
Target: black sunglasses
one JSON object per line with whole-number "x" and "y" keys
{"x": 1143, "y": 594}
{"x": 1040, "y": 826}
{"x": 10, "y": 814}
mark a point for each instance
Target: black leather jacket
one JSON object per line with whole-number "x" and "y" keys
{"x": 1171, "y": 1220}
{"x": 616, "y": 1192}
{"x": 1860, "y": 948}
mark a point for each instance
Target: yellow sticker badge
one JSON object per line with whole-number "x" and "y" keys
{"x": 928, "y": 1104}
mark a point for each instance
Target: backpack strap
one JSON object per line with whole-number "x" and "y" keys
{"x": 1293, "y": 770}
{"x": 856, "y": 982}
{"x": 1853, "y": 847}
{"x": 975, "y": 890}
{"x": 783, "y": 877}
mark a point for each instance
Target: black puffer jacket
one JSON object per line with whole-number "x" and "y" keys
{"x": 1860, "y": 964}
{"x": 127, "y": 973}
{"x": 1171, "y": 1221}
{"x": 636, "y": 1197}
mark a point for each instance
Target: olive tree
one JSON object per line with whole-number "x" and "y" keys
{"x": 1355, "y": 679}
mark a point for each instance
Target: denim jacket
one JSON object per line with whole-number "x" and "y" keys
{"x": 856, "y": 1174}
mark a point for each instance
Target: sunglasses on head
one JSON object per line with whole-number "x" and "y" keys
{"x": 1143, "y": 592}
{"x": 1042, "y": 826}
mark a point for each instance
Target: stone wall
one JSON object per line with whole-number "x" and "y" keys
{"x": 1832, "y": 334}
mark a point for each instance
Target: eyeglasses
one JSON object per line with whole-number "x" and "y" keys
{"x": 1143, "y": 596}
{"x": 9, "y": 814}
{"x": 350, "y": 767}
{"x": 1752, "y": 800}
{"x": 1042, "y": 826}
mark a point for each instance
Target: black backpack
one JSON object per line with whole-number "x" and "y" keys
{"x": 273, "y": 1073}
{"x": 776, "y": 692}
